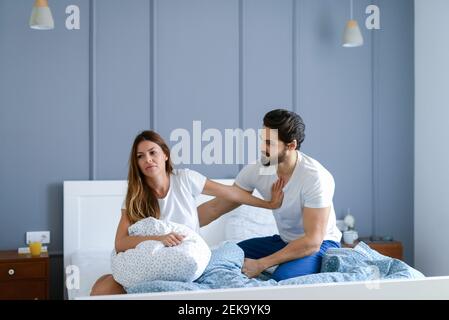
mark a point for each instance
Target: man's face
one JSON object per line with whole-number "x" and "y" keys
{"x": 273, "y": 150}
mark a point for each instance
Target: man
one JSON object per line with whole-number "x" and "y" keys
{"x": 306, "y": 220}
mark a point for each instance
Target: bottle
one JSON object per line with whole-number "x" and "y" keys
{"x": 350, "y": 236}
{"x": 349, "y": 219}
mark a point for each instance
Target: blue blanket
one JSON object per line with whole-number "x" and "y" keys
{"x": 338, "y": 265}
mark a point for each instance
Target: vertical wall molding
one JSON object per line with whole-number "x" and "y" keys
{"x": 241, "y": 67}
{"x": 295, "y": 51}
{"x": 152, "y": 65}
{"x": 92, "y": 92}
{"x": 414, "y": 131}
{"x": 375, "y": 69}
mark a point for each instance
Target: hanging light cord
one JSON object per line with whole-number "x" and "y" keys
{"x": 352, "y": 9}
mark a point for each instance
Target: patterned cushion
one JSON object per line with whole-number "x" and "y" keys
{"x": 151, "y": 260}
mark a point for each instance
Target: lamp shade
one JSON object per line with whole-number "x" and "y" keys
{"x": 352, "y": 37}
{"x": 41, "y": 17}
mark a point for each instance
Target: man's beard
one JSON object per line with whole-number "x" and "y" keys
{"x": 266, "y": 160}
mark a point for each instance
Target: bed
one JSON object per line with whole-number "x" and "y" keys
{"x": 91, "y": 215}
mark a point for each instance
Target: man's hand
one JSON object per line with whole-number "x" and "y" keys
{"x": 252, "y": 268}
{"x": 277, "y": 195}
{"x": 172, "y": 239}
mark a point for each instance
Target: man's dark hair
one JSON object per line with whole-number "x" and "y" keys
{"x": 289, "y": 125}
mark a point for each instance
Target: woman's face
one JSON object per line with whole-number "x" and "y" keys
{"x": 151, "y": 159}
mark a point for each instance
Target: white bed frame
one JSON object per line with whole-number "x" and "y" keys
{"x": 91, "y": 215}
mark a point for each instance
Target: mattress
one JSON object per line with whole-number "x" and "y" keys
{"x": 91, "y": 264}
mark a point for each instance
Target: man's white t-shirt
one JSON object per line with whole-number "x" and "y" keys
{"x": 310, "y": 185}
{"x": 179, "y": 204}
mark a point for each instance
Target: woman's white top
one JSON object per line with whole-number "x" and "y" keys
{"x": 179, "y": 204}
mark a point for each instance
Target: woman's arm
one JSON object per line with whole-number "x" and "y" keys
{"x": 235, "y": 194}
{"x": 123, "y": 241}
{"x": 214, "y": 209}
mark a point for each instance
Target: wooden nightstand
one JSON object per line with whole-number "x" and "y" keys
{"x": 391, "y": 249}
{"x": 24, "y": 277}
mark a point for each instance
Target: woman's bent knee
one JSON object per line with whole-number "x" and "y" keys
{"x": 106, "y": 285}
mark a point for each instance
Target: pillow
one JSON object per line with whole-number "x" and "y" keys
{"x": 248, "y": 222}
{"x": 151, "y": 260}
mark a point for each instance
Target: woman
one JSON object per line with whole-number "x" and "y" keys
{"x": 155, "y": 189}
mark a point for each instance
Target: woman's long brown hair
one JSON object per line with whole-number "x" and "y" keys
{"x": 141, "y": 202}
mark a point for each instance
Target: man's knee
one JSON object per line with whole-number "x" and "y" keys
{"x": 256, "y": 248}
{"x": 298, "y": 268}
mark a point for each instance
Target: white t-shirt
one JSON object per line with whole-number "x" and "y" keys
{"x": 179, "y": 204}
{"x": 310, "y": 185}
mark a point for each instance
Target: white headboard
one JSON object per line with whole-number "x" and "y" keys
{"x": 92, "y": 213}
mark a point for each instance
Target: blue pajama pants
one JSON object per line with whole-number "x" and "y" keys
{"x": 257, "y": 248}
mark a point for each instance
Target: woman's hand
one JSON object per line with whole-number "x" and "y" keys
{"x": 277, "y": 195}
{"x": 172, "y": 239}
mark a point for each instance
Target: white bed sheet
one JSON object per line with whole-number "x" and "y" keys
{"x": 91, "y": 264}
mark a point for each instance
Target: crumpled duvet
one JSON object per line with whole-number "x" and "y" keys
{"x": 338, "y": 265}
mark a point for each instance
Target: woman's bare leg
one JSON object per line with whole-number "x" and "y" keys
{"x": 106, "y": 285}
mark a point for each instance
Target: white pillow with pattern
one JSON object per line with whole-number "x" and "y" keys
{"x": 151, "y": 260}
